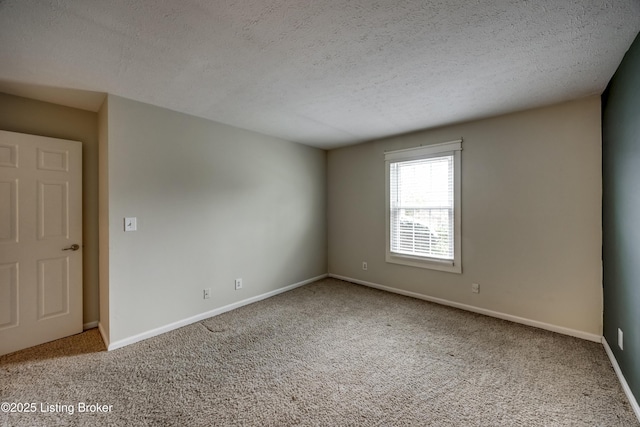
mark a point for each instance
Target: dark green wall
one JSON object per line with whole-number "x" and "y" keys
{"x": 621, "y": 213}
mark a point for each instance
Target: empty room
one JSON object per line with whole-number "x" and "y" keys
{"x": 339, "y": 213}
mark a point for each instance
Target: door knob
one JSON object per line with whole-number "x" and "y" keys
{"x": 73, "y": 247}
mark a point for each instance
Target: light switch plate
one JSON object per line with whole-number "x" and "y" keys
{"x": 130, "y": 224}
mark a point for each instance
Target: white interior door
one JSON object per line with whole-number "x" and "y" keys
{"x": 40, "y": 240}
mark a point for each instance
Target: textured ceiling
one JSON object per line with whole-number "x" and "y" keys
{"x": 324, "y": 73}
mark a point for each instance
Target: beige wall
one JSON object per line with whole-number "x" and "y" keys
{"x": 531, "y": 215}
{"x": 41, "y": 118}
{"x": 103, "y": 213}
{"x": 213, "y": 203}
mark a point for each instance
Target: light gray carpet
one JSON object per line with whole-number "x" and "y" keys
{"x": 327, "y": 354}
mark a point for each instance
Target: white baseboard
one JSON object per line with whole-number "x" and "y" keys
{"x": 529, "y": 322}
{"x": 198, "y": 317}
{"x": 621, "y": 378}
{"x": 90, "y": 325}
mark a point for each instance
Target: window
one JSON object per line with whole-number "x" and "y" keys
{"x": 423, "y": 206}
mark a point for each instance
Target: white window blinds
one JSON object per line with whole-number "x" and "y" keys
{"x": 422, "y": 207}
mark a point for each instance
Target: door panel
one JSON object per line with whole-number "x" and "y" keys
{"x": 53, "y": 210}
{"x": 53, "y": 160}
{"x": 8, "y": 211}
{"x": 53, "y": 287}
{"x": 8, "y": 155}
{"x": 8, "y": 295}
{"x": 40, "y": 217}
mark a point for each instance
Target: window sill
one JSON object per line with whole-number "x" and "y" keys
{"x": 428, "y": 263}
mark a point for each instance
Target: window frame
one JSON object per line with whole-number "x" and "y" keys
{"x": 418, "y": 153}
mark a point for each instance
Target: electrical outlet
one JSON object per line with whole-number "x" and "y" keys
{"x": 206, "y": 293}
{"x": 475, "y": 288}
{"x": 364, "y": 265}
{"x": 620, "y": 339}
{"x": 238, "y": 284}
